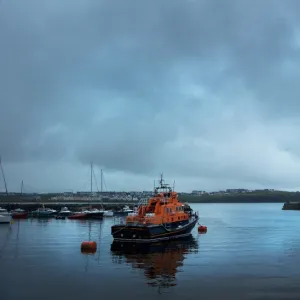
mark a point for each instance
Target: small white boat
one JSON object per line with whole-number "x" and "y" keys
{"x": 43, "y": 212}
{"x": 5, "y": 216}
{"x": 94, "y": 211}
{"x": 65, "y": 212}
{"x": 124, "y": 211}
{"x": 108, "y": 213}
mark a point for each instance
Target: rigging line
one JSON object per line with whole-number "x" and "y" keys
{"x": 104, "y": 182}
{"x": 97, "y": 188}
{"x": 99, "y": 241}
{"x": 96, "y": 181}
{"x": 3, "y": 175}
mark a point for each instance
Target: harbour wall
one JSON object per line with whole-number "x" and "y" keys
{"x": 30, "y": 206}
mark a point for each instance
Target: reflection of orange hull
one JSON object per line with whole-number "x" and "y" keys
{"x": 120, "y": 248}
{"x": 88, "y": 251}
{"x": 159, "y": 260}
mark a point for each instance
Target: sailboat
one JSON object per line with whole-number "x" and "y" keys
{"x": 5, "y": 216}
{"x": 19, "y": 213}
{"x": 3, "y": 175}
{"x": 91, "y": 213}
{"x": 106, "y": 213}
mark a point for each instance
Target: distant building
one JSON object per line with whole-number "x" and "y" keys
{"x": 198, "y": 193}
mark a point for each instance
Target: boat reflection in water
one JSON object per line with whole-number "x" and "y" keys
{"x": 160, "y": 260}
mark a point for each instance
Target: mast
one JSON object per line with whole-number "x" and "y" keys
{"x": 161, "y": 179}
{"x": 101, "y": 181}
{"x": 3, "y": 175}
{"x": 91, "y": 182}
{"x": 22, "y": 188}
{"x": 162, "y": 185}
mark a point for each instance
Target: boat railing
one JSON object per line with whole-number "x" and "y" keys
{"x": 142, "y": 201}
{"x": 150, "y": 215}
{"x": 134, "y": 224}
{"x": 134, "y": 219}
{"x": 133, "y": 214}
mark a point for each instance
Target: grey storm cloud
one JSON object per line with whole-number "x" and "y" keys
{"x": 206, "y": 91}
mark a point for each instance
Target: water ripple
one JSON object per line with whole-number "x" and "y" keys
{"x": 249, "y": 252}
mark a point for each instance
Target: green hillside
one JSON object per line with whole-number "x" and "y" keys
{"x": 251, "y": 197}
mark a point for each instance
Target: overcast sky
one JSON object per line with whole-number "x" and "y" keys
{"x": 207, "y": 92}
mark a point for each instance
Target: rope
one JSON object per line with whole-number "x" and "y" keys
{"x": 165, "y": 227}
{"x": 120, "y": 230}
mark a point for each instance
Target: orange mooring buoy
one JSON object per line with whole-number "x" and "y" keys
{"x": 88, "y": 251}
{"x": 202, "y": 229}
{"x": 89, "y": 245}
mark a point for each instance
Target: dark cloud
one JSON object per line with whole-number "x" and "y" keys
{"x": 206, "y": 91}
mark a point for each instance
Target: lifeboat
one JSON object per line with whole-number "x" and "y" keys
{"x": 164, "y": 217}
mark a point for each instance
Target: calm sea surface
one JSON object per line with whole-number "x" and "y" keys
{"x": 251, "y": 251}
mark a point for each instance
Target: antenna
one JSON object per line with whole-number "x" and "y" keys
{"x": 161, "y": 179}
{"x": 3, "y": 177}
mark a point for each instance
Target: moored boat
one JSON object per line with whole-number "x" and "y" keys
{"x": 88, "y": 214}
{"x": 44, "y": 212}
{"x": 5, "y": 216}
{"x": 164, "y": 217}
{"x": 64, "y": 212}
{"x": 123, "y": 211}
{"x": 78, "y": 215}
{"x": 95, "y": 214}
{"x": 108, "y": 213}
{"x": 19, "y": 214}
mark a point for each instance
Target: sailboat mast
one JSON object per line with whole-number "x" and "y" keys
{"x": 3, "y": 175}
{"x": 101, "y": 181}
{"x": 22, "y": 188}
{"x": 91, "y": 181}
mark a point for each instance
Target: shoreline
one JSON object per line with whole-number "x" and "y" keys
{"x": 118, "y": 203}
{"x": 58, "y": 205}
{"x": 289, "y": 201}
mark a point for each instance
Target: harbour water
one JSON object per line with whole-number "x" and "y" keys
{"x": 251, "y": 251}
